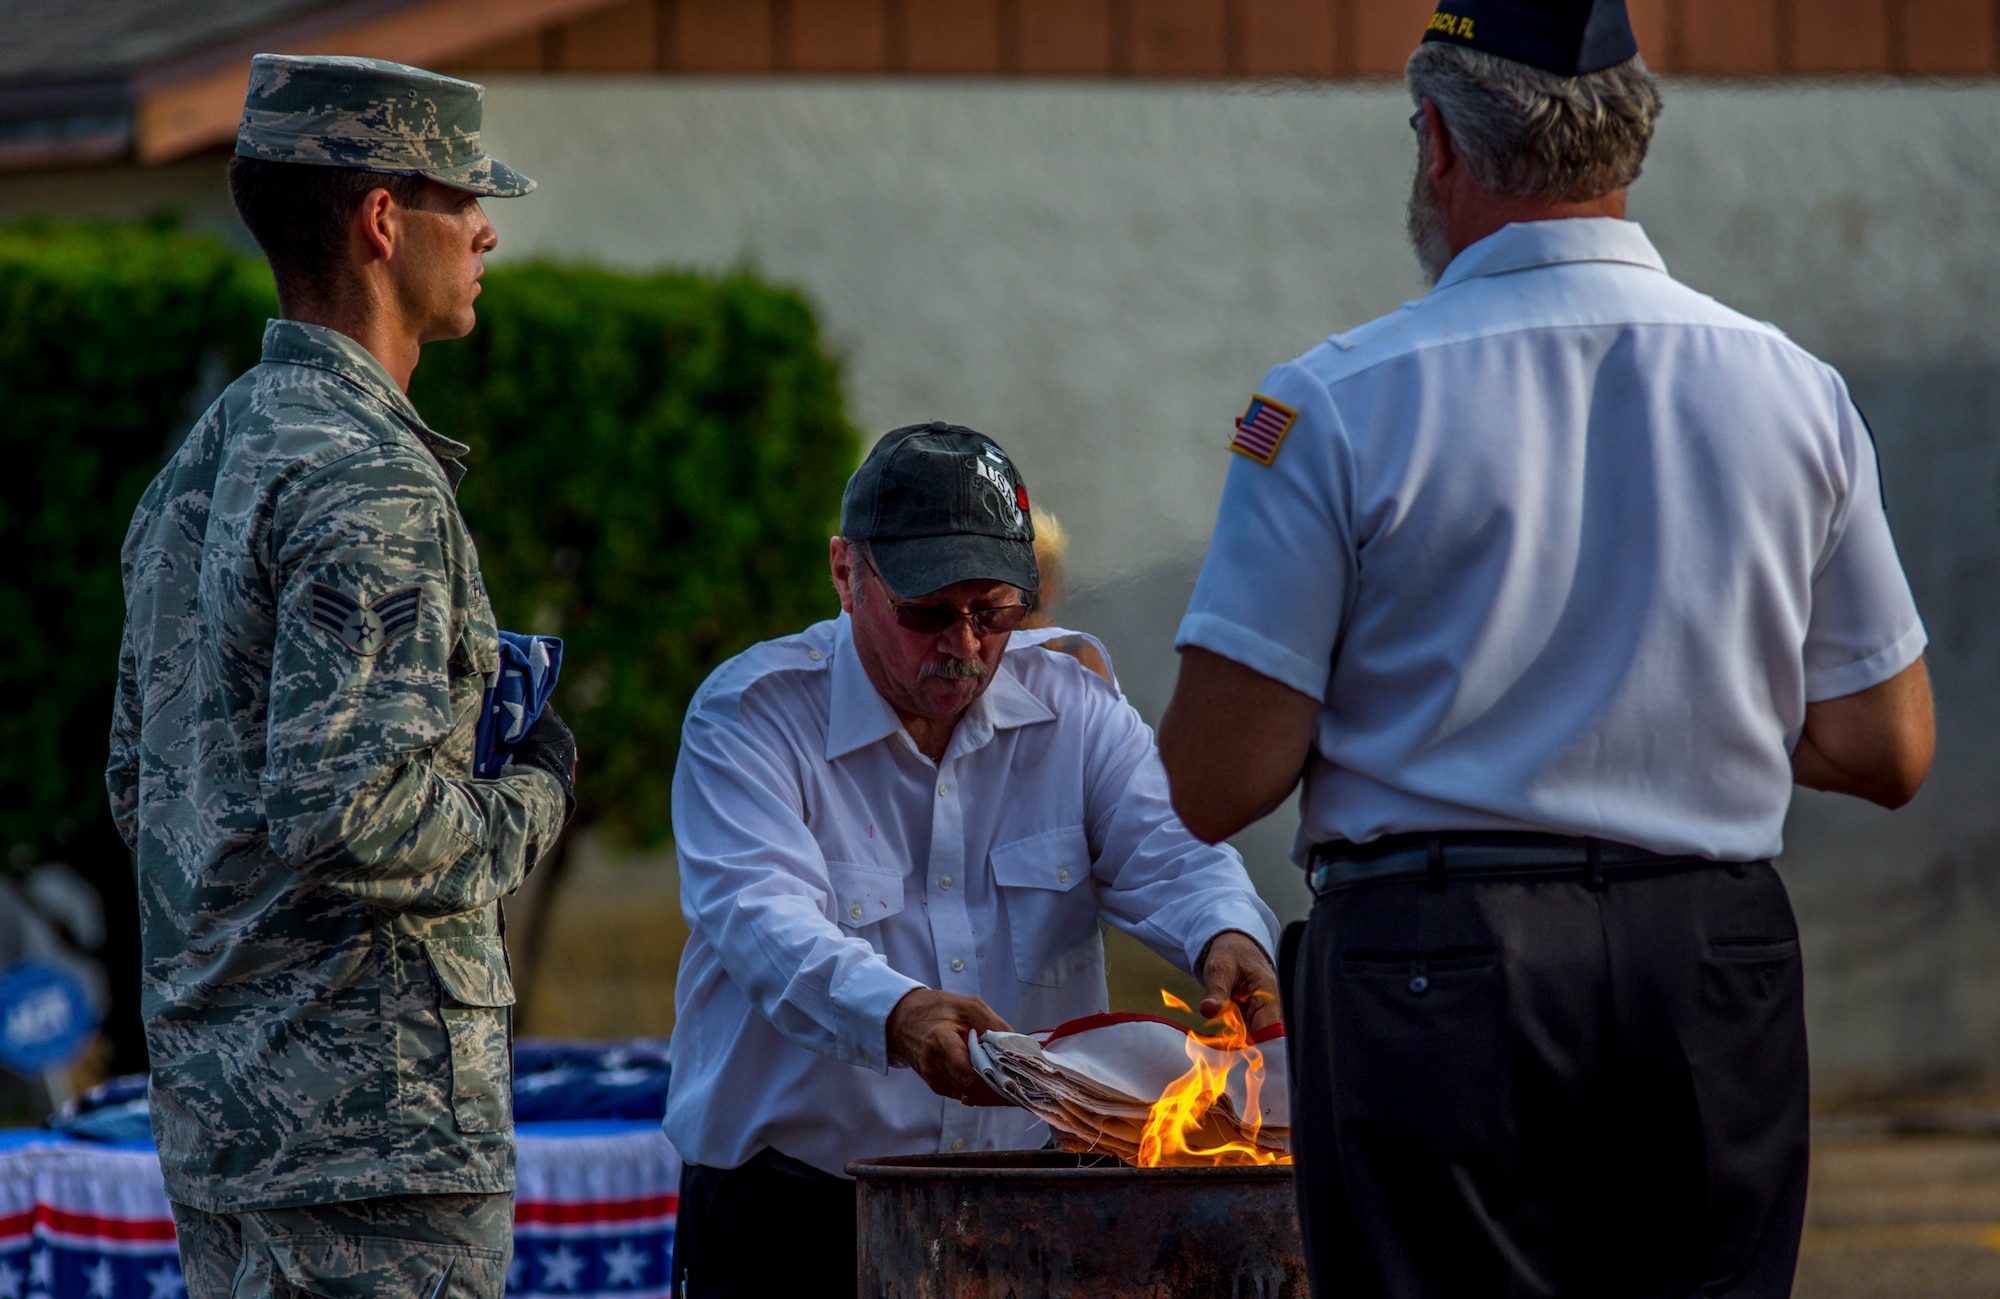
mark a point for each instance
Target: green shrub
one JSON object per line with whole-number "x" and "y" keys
{"x": 109, "y": 337}
{"x": 657, "y": 464}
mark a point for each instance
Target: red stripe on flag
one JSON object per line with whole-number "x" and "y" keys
{"x": 652, "y": 1206}
{"x": 1105, "y": 1019}
{"x": 92, "y": 1225}
{"x": 95, "y": 1226}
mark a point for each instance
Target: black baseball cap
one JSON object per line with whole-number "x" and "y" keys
{"x": 1571, "y": 38}
{"x": 939, "y": 503}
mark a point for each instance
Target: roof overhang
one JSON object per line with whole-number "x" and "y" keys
{"x": 194, "y": 101}
{"x": 64, "y": 123}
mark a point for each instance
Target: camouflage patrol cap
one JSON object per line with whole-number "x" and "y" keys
{"x": 371, "y": 115}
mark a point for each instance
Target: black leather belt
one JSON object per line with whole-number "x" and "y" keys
{"x": 1470, "y": 853}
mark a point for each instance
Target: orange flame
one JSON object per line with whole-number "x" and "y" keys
{"x": 1185, "y": 1111}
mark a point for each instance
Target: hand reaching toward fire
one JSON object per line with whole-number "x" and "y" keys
{"x": 1235, "y": 968}
{"x": 927, "y": 1031}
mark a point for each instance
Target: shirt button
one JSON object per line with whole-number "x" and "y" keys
{"x": 855, "y": 911}
{"x": 943, "y": 790}
{"x": 957, "y": 965}
{"x": 958, "y": 1143}
{"x": 1062, "y": 877}
{"x": 945, "y": 883}
{"x": 813, "y": 655}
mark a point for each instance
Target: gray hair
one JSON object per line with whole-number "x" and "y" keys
{"x": 858, "y": 551}
{"x": 1526, "y": 133}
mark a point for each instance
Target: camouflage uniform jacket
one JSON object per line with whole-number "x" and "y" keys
{"x": 307, "y": 642}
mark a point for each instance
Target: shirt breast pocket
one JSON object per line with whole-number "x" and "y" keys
{"x": 1050, "y": 912}
{"x": 864, "y": 894}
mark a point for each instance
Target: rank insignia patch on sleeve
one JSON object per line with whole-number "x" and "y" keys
{"x": 1262, "y": 428}
{"x": 365, "y": 629}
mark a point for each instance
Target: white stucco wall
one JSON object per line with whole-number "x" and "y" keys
{"x": 1093, "y": 274}
{"x": 1097, "y": 274}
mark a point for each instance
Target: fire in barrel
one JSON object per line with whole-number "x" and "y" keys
{"x": 1148, "y": 1090}
{"x": 1173, "y": 1177}
{"x": 1216, "y": 1112}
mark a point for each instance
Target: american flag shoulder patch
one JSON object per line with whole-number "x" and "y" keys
{"x": 1262, "y": 428}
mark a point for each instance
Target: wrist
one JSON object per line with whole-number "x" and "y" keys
{"x": 895, "y": 1027}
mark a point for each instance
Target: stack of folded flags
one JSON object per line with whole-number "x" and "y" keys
{"x": 553, "y": 1081}
{"x": 1094, "y": 1081}
{"x": 556, "y": 1081}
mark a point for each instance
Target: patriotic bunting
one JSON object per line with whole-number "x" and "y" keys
{"x": 594, "y": 1216}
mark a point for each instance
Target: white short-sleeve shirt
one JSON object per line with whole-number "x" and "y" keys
{"x": 1563, "y": 545}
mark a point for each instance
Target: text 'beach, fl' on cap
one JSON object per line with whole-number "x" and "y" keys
{"x": 1571, "y": 38}
{"x": 934, "y": 504}
{"x": 371, "y": 115}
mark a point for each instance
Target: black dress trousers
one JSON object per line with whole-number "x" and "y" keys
{"x": 773, "y": 1228}
{"x": 1532, "y": 1086}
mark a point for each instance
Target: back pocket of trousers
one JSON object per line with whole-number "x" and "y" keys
{"x": 1417, "y": 1032}
{"x": 1752, "y": 974}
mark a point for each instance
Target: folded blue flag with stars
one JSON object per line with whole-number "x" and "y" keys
{"x": 529, "y": 666}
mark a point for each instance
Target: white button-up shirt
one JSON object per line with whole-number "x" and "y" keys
{"x": 828, "y": 868}
{"x": 1563, "y": 545}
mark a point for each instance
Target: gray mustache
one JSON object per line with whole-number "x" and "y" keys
{"x": 953, "y": 669}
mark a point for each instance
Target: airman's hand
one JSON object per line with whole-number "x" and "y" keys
{"x": 550, "y": 746}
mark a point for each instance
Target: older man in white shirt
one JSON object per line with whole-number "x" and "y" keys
{"x": 895, "y": 828}
{"x": 1552, "y": 583}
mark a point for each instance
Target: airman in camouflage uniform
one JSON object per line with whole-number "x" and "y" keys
{"x": 306, "y": 647}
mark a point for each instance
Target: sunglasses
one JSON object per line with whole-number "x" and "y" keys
{"x": 937, "y": 619}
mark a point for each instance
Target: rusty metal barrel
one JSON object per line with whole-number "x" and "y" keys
{"x": 1043, "y": 1224}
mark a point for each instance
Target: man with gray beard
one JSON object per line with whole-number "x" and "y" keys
{"x": 894, "y": 828}
{"x": 1551, "y": 585}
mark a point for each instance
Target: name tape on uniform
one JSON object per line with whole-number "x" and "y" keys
{"x": 1262, "y": 429}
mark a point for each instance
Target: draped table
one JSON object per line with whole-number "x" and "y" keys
{"x": 593, "y": 1215}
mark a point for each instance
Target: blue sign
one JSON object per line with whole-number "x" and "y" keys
{"x": 45, "y": 1016}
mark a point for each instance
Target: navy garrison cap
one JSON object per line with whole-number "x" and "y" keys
{"x": 1567, "y": 37}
